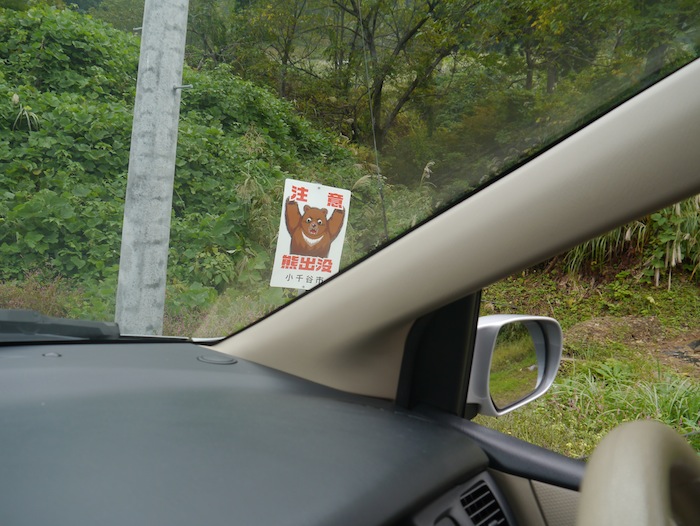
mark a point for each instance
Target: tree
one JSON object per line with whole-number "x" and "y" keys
{"x": 122, "y": 14}
{"x": 399, "y": 47}
{"x": 212, "y": 31}
{"x": 291, "y": 37}
{"x": 367, "y": 57}
{"x": 553, "y": 38}
{"x": 655, "y": 27}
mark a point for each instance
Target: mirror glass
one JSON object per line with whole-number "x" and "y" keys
{"x": 513, "y": 373}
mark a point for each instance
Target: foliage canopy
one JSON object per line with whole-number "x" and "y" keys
{"x": 64, "y": 180}
{"x": 304, "y": 89}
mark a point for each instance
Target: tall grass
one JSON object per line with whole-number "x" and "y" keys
{"x": 615, "y": 368}
{"x": 583, "y": 407}
{"x": 600, "y": 396}
{"x": 46, "y": 295}
{"x": 656, "y": 245}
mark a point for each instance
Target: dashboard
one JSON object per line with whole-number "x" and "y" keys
{"x": 175, "y": 433}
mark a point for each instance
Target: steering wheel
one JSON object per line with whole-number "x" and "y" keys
{"x": 643, "y": 474}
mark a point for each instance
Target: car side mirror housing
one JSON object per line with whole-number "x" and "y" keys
{"x": 516, "y": 358}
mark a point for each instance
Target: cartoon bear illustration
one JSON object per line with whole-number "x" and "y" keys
{"x": 312, "y": 233}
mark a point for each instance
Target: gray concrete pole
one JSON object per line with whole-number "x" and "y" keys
{"x": 146, "y": 230}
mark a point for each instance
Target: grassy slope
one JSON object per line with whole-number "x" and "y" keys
{"x": 620, "y": 339}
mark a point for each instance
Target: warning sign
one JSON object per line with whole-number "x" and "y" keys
{"x": 311, "y": 235}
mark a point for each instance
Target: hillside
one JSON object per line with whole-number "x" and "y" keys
{"x": 68, "y": 83}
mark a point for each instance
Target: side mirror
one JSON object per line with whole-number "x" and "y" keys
{"x": 516, "y": 358}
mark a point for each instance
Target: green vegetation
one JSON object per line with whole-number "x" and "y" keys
{"x": 513, "y": 372}
{"x": 551, "y": 290}
{"x": 590, "y": 399}
{"x": 618, "y": 365}
{"x": 67, "y": 83}
{"x": 464, "y": 102}
{"x": 660, "y": 244}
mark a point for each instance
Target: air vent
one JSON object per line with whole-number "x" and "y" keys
{"x": 482, "y": 507}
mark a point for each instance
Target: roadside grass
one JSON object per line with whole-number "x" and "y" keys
{"x": 573, "y": 298}
{"x": 63, "y": 298}
{"x": 191, "y": 310}
{"x": 608, "y": 378}
{"x": 50, "y": 297}
{"x": 513, "y": 370}
{"x": 235, "y": 309}
{"x": 589, "y": 400}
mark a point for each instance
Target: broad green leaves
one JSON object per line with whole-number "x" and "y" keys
{"x": 62, "y": 185}
{"x": 58, "y": 50}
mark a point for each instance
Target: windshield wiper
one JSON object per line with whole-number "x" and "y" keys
{"x": 32, "y": 325}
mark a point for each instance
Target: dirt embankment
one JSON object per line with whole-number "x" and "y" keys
{"x": 681, "y": 352}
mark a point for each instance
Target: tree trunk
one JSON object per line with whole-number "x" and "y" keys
{"x": 655, "y": 62}
{"x": 530, "y": 64}
{"x": 552, "y": 77}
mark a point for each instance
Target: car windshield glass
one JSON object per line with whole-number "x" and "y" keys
{"x": 189, "y": 170}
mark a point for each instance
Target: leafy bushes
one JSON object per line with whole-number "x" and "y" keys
{"x": 64, "y": 185}
{"x": 63, "y": 182}
{"x": 60, "y": 50}
{"x": 67, "y": 84}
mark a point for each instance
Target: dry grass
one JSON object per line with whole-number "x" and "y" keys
{"x": 48, "y": 296}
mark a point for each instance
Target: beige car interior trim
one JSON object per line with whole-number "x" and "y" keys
{"x": 537, "y": 503}
{"x": 642, "y": 473}
{"x": 350, "y": 332}
{"x": 559, "y": 505}
{"x": 521, "y": 498}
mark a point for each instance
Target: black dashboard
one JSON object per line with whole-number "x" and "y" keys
{"x": 175, "y": 433}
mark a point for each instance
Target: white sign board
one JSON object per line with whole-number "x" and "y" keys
{"x": 311, "y": 235}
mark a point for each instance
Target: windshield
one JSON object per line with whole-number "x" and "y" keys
{"x": 291, "y": 139}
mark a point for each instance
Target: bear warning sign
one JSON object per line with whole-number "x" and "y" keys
{"x": 311, "y": 235}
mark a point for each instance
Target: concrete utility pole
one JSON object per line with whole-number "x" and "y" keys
{"x": 149, "y": 192}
